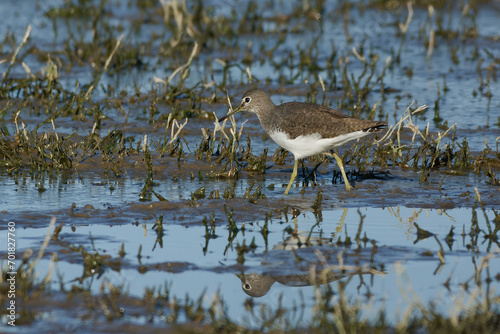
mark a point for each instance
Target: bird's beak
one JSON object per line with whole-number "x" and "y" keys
{"x": 237, "y": 110}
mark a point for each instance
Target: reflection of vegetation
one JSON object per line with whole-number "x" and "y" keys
{"x": 72, "y": 102}
{"x": 476, "y": 309}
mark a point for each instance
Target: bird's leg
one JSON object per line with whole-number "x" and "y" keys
{"x": 294, "y": 174}
{"x": 341, "y": 166}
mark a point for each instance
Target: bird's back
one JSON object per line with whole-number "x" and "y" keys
{"x": 296, "y": 119}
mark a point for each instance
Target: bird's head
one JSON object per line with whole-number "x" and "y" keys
{"x": 255, "y": 101}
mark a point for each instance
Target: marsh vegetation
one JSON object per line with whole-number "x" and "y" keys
{"x": 133, "y": 203}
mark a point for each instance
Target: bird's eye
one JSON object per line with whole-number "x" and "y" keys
{"x": 247, "y": 286}
{"x": 247, "y": 99}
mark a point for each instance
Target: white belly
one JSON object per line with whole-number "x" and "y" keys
{"x": 305, "y": 146}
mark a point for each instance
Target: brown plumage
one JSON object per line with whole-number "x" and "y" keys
{"x": 327, "y": 122}
{"x": 305, "y": 129}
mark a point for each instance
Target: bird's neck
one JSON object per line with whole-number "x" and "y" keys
{"x": 266, "y": 122}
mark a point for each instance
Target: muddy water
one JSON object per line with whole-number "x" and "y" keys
{"x": 279, "y": 267}
{"x": 388, "y": 260}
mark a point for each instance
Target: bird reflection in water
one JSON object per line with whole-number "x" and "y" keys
{"x": 320, "y": 262}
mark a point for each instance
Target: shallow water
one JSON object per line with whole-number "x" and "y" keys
{"x": 189, "y": 265}
{"x": 195, "y": 259}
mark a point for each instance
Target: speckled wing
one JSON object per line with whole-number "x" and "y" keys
{"x": 305, "y": 119}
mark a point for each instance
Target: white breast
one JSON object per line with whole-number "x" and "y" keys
{"x": 305, "y": 146}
